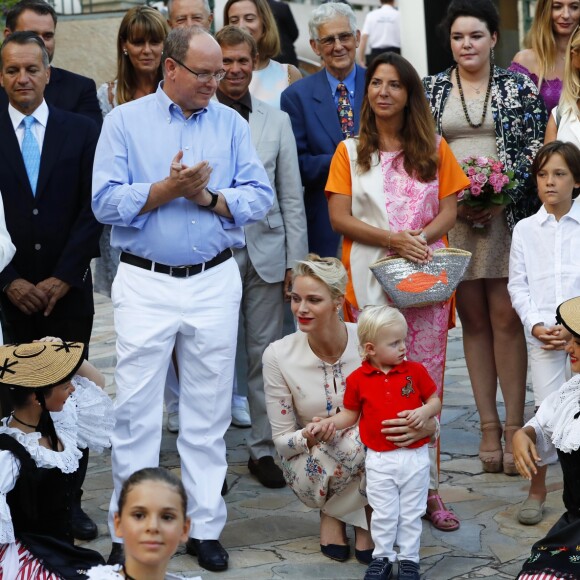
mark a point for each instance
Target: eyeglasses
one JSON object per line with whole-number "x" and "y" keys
{"x": 343, "y": 38}
{"x": 203, "y": 77}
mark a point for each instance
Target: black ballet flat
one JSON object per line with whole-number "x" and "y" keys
{"x": 336, "y": 552}
{"x": 364, "y": 556}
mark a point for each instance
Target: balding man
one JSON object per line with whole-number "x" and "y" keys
{"x": 178, "y": 190}
{"x": 182, "y": 13}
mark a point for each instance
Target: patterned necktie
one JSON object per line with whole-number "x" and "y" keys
{"x": 345, "y": 114}
{"x": 30, "y": 153}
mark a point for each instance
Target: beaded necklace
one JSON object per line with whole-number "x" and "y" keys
{"x": 463, "y": 103}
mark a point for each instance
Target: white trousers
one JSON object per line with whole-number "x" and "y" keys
{"x": 198, "y": 316}
{"x": 397, "y": 484}
{"x": 549, "y": 369}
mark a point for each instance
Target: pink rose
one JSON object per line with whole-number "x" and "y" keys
{"x": 480, "y": 179}
{"x": 497, "y": 182}
{"x": 471, "y": 171}
{"x": 497, "y": 166}
{"x": 475, "y": 190}
{"x": 482, "y": 161}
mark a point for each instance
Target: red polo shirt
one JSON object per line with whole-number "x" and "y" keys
{"x": 379, "y": 396}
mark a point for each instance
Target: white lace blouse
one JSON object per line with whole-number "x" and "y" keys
{"x": 86, "y": 421}
{"x": 555, "y": 424}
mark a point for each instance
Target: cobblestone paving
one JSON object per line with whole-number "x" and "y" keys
{"x": 271, "y": 535}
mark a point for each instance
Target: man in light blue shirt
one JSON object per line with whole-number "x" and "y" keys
{"x": 178, "y": 177}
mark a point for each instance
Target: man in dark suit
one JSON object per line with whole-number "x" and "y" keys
{"x": 46, "y": 160}
{"x": 324, "y": 109}
{"x": 67, "y": 91}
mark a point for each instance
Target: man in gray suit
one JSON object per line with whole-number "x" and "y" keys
{"x": 272, "y": 244}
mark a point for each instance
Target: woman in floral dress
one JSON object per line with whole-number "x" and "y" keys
{"x": 393, "y": 191}
{"x": 305, "y": 377}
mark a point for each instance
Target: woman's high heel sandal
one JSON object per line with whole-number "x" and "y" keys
{"x": 492, "y": 461}
{"x": 509, "y": 467}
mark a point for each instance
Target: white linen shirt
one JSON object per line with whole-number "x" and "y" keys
{"x": 544, "y": 268}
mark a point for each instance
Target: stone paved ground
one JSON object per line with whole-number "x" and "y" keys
{"x": 270, "y": 534}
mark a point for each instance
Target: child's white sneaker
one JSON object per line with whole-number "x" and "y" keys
{"x": 408, "y": 570}
{"x": 379, "y": 569}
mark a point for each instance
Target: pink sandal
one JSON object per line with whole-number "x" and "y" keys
{"x": 438, "y": 516}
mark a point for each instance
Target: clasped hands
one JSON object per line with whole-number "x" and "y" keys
{"x": 190, "y": 179}
{"x": 410, "y": 244}
{"x": 30, "y": 298}
{"x": 552, "y": 337}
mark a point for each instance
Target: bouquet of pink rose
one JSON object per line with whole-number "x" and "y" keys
{"x": 489, "y": 182}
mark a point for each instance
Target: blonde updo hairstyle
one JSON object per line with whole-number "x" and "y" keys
{"x": 373, "y": 319}
{"x": 329, "y": 271}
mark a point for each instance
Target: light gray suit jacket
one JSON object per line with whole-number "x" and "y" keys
{"x": 277, "y": 241}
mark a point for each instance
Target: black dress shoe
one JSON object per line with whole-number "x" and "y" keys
{"x": 83, "y": 528}
{"x": 210, "y": 554}
{"x": 267, "y": 472}
{"x": 364, "y": 556}
{"x": 117, "y": 555}
{"x": 336, "y": 552}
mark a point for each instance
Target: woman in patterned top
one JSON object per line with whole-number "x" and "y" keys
{"x": 481, "y": 109}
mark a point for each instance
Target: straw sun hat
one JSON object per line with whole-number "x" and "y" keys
{"x": 39, "y": 364}
{"x": 568, "y": 314}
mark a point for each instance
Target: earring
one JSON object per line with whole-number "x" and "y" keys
{"x": 125, "y": 52}
{"x": 492, "y": 56}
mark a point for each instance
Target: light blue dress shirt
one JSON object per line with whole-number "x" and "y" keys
{"x": 137, "y": 144}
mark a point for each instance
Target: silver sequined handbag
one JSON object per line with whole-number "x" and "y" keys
{"x": 408, "y": 284}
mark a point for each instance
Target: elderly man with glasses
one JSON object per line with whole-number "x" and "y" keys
{"x": 324, "y": 109}
{"x": 177, "y": 177}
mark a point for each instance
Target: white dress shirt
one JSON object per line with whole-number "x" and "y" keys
{"x": 38, "y": 129}
{"x": 544, "y": 265}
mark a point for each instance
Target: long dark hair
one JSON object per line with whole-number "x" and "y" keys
{"x": 419, "y": 154}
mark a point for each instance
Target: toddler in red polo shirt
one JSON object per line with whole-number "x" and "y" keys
{"x": 397, "y": 478}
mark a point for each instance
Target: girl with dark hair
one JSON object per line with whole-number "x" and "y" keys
{"x": 152, "y": 520}
{"x": 57, "y": 409}
{"x": 484, "y": 110}
{"x": 393, "y": 190}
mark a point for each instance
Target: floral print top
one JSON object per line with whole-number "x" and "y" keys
{"x": 520, "y": 120}
{"x": 299, "y": 386}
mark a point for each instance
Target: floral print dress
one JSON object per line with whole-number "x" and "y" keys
{"x": 300, "y": 386}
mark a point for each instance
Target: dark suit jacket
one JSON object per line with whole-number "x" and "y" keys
{"x": 316, "y": 126}
{"x": 69, "y": 92}
{"x": 55, "y": 232}
{"x": 287, "y": 29}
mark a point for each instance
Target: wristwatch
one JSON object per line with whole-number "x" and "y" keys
{"x": 214, "y": 199}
